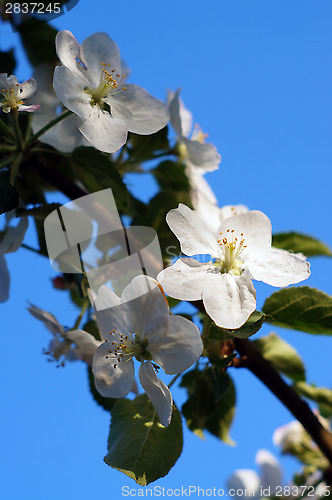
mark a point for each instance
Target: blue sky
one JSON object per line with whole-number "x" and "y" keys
{"x": 257, "y": 76}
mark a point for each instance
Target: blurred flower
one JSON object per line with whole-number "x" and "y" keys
{"x": 11, "y": 241}
{"x": 66, "y": 345}
{"x": 90, "y": 83}
{"x": 198, "y": 156}
{"x": 249, "y": 484}
{"x": 139, "y": 325}
{"x": 241, "y": 253}
{"x": 12, "y": 93}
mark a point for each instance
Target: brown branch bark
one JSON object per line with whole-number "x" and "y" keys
{"x": 253, "y": 360}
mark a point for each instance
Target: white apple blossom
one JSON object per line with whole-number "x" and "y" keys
{"x": 139, "y": 325}
{"x": 239, "y": 253}
{"x": 250, "y": 484}
{"x": 198, "y": 156}
{"x": 11, "y": 241}
{"x": 64, "y": 136}
{"x": 12, "y": 93}
{"x": 66, "y": 345}
{"x": 90, "y": 83}
{"x": 289, "y": 435}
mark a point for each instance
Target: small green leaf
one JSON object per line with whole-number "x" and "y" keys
{"x": 296, "y": 242}
{"x": 301, "y": 308}
{"x": 9, "y": 198}
{"x": 221, "y": 362}
{"x": 96, "y": 171}
{"x": 144, "y": 147}
{"x": 211, "y": 402}
{"x": 252, "y": 325}
{"x": 138, "y": 445}
{"x": 171, "y": 175}
{"x": 321, "y": 395}
{"x": 282, "y": 356}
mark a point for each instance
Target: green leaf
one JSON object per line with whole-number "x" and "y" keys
{"x": 211, "y": 402}
{"x": 144, "y": 147}
{"x": 171, "y": 175}
{"x": 96, "y": 171}
{"x": 138, "y": 445}
{"x": 321, "y": 395}
{"x": 221, "y": 362}
{"x": 7, "y": 62}
{"x": 38, "y": 40}
{"x": 297, "y": 242}
{"x": 282, "y": 356}
{"x": 252, "y": 325}
{"x": 9, "y": 198}
{"x": 106, "y": 403}
{"x": 301, "y": 308}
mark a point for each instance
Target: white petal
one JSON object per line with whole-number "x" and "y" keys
{"x": 201, "y": 193}
{"x": 86, "y": 344}
{"x": 143, "y": 113}
{"x": 70, "y": 90}
{"x": 4, "y": 280}
{"x": 103, "y": 130}
{"x": 231, "y": 211}
{"x": 96, "y": 49}
{"x": 245, "y": 480}
{"x": 112, "y": 382}
{"x": 28, "y": 109}
{"x": 179, "y": 348}
{"x": 50, "y": 321}
{"x": 110, "y": 313}
{"x": 229, "y": 300}
{"x": 68, "y": 51}
{"x": 181, "y": 118}
{"x": 254, "y": 225}
{"x": 288, "y": 435}
{"x": 195, "y": 238}
{"x": 202, "y": 155}
{"x": 158, "y": 393}
{"x": 185, "y": 280}
{"x": 146, "y": 304}
{"x": 277, "y": 267}
{"x": 271, "y": 472}
{"x": 28, "y": 88}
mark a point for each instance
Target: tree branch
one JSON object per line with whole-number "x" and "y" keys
{"x": 253, "y": 360}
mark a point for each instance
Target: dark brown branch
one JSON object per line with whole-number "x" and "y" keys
{"x": 253, "y": 360}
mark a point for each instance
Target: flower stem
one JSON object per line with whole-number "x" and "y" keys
{"x": 79, "y": 319}
{"x": 6, "y": 129}
{"x": 17, "y": 130}
{"x": 51, "y": 124}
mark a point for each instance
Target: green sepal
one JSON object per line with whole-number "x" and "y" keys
{"x": 282, "y": 356}
{"x": 253, "y": 324}
{"x": 301, "y": 308}
{"x": 320, "y": 395}
{"x": 302, "y": 243}
{"x": 138, "y": 445}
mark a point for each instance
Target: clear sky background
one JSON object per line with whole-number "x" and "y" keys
{"x": 257, "y": 76}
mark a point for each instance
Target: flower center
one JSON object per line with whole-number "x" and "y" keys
{"x": 10, "y": 99}
{"x": 125, "y": 347}
{"x": 109, "y": 81}
{"x": 231, "y": 249}
{"x": 59, "y": 350}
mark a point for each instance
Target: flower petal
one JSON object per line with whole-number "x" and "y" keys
{"x": 271, "y": 472}
{"x": 86, "y": 344}
{"x": 112, "y": 382}
{"x": 245, "y": 480}
{"x": 110, "y": 313}
{"x": 70, "y": 91}
{"x": 158, "y": 393}
{"x": 277, "y": 267}
{"x": 103, "y": 130}
{"x": 203, "y": 156}
{"x": 254, "y": 225}
{"x": 28, "y": 88}
{"x": 229, "y": 300}
{"x": 195, "y": 238}
{"x": 143, "y": 113}
{"x": 181, "y": 117}
{"x": 179, "y": 347}
{"x": 50, "y": 321}
{"x": 99, "y": 49}
{"x": 185, "y": 280}
{"x": 68, "y": 51}
{"x": 13, "y": 237}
